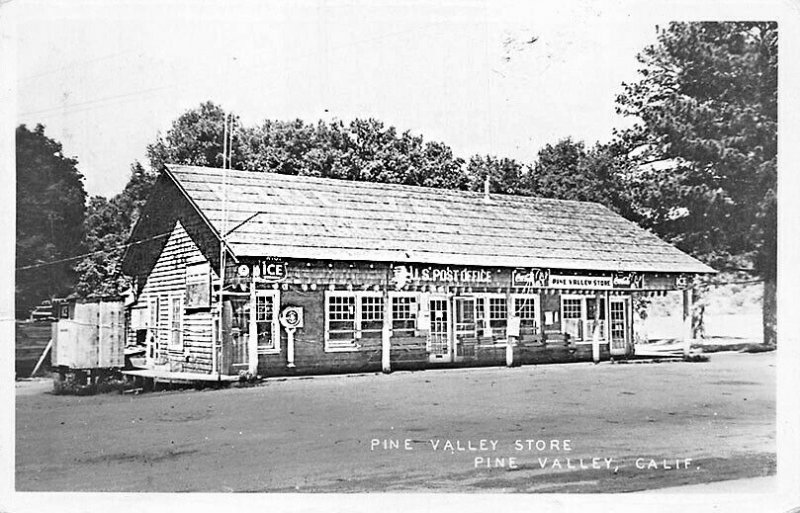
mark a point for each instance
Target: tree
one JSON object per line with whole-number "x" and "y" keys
{"x": 567, "y": 170}
{"x": 506, "y": 176}
{"x": 195, "y": 138}
{"x": 50, "y": 210}
{"x": 107, "y": 226}
{"x": 706, "y": 143}
{"x": 363, "y": 150}
{"x": 106, "y": 232}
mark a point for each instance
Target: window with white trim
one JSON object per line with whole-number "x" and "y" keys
{"x": 498, "y": 315}
{"x": 350, "y": 317}
{"x": 176, "y": 322}
{"x": 152, "y": 327}
{"x": 371, "y": 322}
{"x": 266, "y": 322}
{"x": 526, "y": 308}
{"x": 571, "y": 308}
{"x": 578, "y": 316}
{"x": 404, "y": 315}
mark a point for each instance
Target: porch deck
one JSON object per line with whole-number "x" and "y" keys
{"x": 160, "y": 375}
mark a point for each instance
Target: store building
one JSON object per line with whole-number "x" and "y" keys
{"x": 325, "y": 276}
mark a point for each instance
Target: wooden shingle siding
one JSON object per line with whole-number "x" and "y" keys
{"x": 167, "y": 280}
{"x": 165, "y": 208}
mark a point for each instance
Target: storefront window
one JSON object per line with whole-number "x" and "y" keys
{"x": 525, "y": 309}
{"x": 404, "y": 316}
{"x": 341, "y": 321}
{"x": 351, "y": 316}
{"x": 371, "y": 316}
{"x": 498, "y": 316}
{"x": 578, "y": 317}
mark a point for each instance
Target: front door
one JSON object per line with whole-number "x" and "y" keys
{"x": 619, "y": 326}
{"x": 239, "y": 334}
{"x": 465, "y": 328}
{"x": 439, "y": 350}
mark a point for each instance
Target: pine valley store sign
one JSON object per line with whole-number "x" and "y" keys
{"x": 543, "y": 278}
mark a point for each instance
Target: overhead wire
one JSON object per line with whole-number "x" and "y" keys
{"x": 84, "y": 255}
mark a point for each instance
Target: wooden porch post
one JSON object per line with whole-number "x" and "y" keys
{"x": 252, "y": 340}
{"x": 596, "y": 330}
{"x": 510, "y": 341}
{"x": 687, "y": 321}
{"x": 386, "y": 332}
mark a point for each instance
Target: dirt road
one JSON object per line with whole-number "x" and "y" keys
{"x": 611, "y": 428}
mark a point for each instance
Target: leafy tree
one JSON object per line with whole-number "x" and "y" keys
{"x": 50, "y": 210}
{"x": 506, "y": 176}
{"x": 106, "y": 231}
{"x": 195, "y": 138}
{"x": 107, "y": 226}
{"x": 567, "y": 170}
{"x": 706, "y": 143}
{"x": 363, "y": 150}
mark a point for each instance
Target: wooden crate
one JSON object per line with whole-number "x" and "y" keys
{"x": 93, "y": 338}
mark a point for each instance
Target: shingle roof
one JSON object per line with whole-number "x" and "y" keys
{"x": 319, "y": 218}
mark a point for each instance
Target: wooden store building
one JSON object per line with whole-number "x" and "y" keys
{"x": 240, "y": 272}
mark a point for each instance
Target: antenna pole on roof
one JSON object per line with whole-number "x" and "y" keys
{"x": 225, "y": 164}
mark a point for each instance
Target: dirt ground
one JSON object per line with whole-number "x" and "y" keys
{"x": 610, "y": 427}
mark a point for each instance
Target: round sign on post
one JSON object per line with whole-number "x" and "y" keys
{"x": 291, "y": 318}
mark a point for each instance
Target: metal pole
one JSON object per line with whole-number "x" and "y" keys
{"x": 214, "y": 357}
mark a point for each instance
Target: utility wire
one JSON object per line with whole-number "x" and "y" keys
{"x": 84, "y": 255}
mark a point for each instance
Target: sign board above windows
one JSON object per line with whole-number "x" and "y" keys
{"x": 198, "y": 285}
{"x": 405, "y": 274}
{"x": 543, "y": 278}
{"x": 268, "y": 270}
{"x": 558, "y": 281}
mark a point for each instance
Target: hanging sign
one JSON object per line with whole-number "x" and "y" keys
{"x": 629, "y": 280}
{"x": 530, "y": 277}
{"x": 682, "y": 282}
{"x": 543, "y": 278}
{"x": 265, "y": 270}
{"x": 402, "y": 274}
{"x": 558, "y": 281}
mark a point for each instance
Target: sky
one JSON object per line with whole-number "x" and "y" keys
{"x": 105, "y": 78}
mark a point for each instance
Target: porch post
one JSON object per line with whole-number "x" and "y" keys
{"x": 687, "y": 321}
{"x": 510, "y": 340}
{"x": 386, "y": 332}
{"x": 596, "y": 329}
{"x": 252, "y": 340}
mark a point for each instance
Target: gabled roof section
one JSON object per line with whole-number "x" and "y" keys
{"x": 305, "y": 217}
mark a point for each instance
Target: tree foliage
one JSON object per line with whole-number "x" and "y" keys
{"x": 364, "y": 150}
{"x": 50, "y": 210}
{"x": 506, "y": 176}
{"x": 706, "y": 142}
{"x": 107, "y": 226}
{"x": 706, "y": 106}
{"x": 568, "y": 170}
